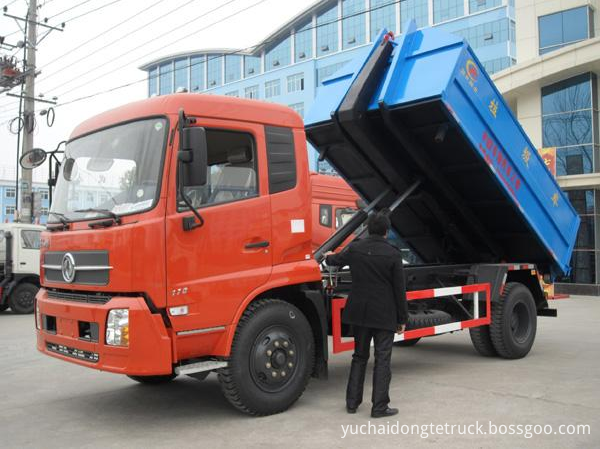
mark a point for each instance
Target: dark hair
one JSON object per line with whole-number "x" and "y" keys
{"x": 379, "y": 223}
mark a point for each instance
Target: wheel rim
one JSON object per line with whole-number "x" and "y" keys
{"x": 274, "y": 359}
{"x": 520, "y": 323}
{"x": 25, "y": 299}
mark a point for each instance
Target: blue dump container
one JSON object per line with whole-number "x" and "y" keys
{"x": 422, "y": 108}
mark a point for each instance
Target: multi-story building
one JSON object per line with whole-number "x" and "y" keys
{"x": 8, "y": 196}
{"x": 553, "y": 90}
{"x": 290, "y": 64}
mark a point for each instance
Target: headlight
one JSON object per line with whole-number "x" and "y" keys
{"x": 38, "y": 316}
{"x": 117, "y": 327}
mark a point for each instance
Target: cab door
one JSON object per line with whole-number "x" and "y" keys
{"x": 214, "y": 267}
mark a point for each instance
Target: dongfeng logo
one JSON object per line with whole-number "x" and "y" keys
{"x": 68, "y": 268}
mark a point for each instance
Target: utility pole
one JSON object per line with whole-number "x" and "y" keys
{"x": 26, "y": 206}
{"x": 27, "y": 99}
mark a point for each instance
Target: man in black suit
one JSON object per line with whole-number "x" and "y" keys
{"x": 376, "y": 309}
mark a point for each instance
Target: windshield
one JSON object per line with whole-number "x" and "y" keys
{"x": 116, "y": 170}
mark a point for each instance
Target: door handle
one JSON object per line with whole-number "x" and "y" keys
{"x": 262, "y": 244}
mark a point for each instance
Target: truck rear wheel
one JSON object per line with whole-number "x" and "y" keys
{"x": 271, "y": 359}
{"x": 154, "y": 380}
{"x": 22, "y": 298}
{"x": 514, "y": 322}
{"x": 482, "y": 341}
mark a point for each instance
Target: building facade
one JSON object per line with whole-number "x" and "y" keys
{"x": 553, "y": 90}
{"x": 290, "y": 64}
{"x": 8, "y": 195}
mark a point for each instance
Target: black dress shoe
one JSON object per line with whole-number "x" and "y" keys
{"x": 387, "y": 412}
{"x": 352, "y": 411}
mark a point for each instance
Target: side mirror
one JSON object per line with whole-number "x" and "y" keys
{"x": 193, "y": 157}
{"x": 33, "y": 158}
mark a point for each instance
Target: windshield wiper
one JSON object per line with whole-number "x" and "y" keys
{"x": 64, "y": 222}
{"x": 114, "y": 218}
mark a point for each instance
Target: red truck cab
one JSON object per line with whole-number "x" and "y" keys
{"x": 133, "y": 284}
{"x": 333, "y": 204}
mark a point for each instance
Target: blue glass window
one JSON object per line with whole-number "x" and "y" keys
{"x": 489, "y": 33}
{"x": 567, "y": 124}
{"x": 181, "y": 73}
{"x": 152, "y": 81}
{"x": 166, "y": 78}
{"x": 383, "y": 15}
{"x": 214, "y": 74}
{"x": 303, "y": 42}
{"x": 447, "y": 9}
{"x": 416, "y": 10}
{"x": 279, "y": 56}
{"x": 563, "y": 28}
{"x": 327, "y": 71}
{"x": 197, "y": 68}
{"x": 481, "y": 5}
{"x": 251, "y": 65}
{"x": 354, "y": 23}
{"x": 251, "y": 92}
{"x": 233, "y": 68}
{"x": 295, "y": 82}
{"x": 327, "y": 31}
{"x": 495, "y": 65}
{"x": 272, "y": 88}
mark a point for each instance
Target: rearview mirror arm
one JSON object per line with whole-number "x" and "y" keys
{"x": 188, "y": 222}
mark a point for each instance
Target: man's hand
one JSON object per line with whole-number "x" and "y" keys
{"x": 401, "y": 329}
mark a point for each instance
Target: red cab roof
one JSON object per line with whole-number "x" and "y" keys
{"x": 213, "y": 106}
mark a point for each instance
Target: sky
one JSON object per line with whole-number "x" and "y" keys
{"x": 69, "y": 65}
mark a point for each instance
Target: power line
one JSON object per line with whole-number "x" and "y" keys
{"x": 136, "y": 14}
{"x": 117, "y": 40}
{"x": 68, "y": 9}
{"x": 244, "y": 50}
{"x": 92, "y": 10}
{"x": 75, "y": 17}
{"x": 139, "y": 46}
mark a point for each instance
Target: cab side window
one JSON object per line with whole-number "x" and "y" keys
{"x": 325, "y": 215}
{"x": 232, "y": 169}
{"x": 30, "y": 239}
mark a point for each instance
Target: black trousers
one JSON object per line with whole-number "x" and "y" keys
{"x": 382, "y": 373}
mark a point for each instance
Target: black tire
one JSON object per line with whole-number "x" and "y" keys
{"x": 407, "y": 343}
{"x": 427, "y": 318}
{"x": 272, "y": 336}
{"x": 154, "y": 380}
{"x": 514, "y": 322}
{"x": 482, "y": 341}
{"x": 3, "y": 307}
{"x": 22, "y": 298}
{"x": 423, "y": 318}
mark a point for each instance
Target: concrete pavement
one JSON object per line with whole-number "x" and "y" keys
{"x": 48, "y": 403}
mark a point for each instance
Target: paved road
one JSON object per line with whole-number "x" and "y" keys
{"x": 48, "y": 403}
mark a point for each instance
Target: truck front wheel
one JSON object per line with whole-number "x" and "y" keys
{"x": 514, "y": 322}
{"x": 271, "y": 359}
{"x": 22, "y": 298}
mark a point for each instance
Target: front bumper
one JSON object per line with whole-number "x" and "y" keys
{"x": 149, "y": 351}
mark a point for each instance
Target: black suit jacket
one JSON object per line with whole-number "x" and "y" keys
{"x": 378, "y": 295}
